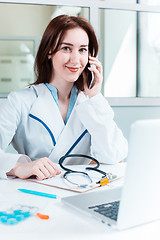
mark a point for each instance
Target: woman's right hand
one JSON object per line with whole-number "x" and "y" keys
{"x": 42, "y": 168}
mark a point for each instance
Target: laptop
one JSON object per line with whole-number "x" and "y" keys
{"x": 138, "y": 201}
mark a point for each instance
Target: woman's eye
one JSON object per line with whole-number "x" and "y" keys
{"x": 83, "y": 50}
{"x": 66, "y": 49}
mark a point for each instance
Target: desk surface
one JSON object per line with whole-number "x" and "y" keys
{"x": 65, "y": 222}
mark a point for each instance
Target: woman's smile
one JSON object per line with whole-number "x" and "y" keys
{"x": 73, "y": 69}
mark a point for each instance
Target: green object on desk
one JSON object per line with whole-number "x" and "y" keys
{"x": 38, "y": 193}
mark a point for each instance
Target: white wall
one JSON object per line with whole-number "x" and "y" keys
{"x": 125, "y": 116}
{"x": 35, "y": 18}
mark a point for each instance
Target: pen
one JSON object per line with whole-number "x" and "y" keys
{"x": 38, "y": 193}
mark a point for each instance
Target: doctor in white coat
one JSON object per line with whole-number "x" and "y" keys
{"x": 60, "y": 113}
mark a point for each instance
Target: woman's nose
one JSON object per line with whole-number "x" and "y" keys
{"x": 74, "y": 57}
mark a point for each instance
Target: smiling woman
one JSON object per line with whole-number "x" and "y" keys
{"x": 60, "y": 113}
{"x": 61, "y": 42}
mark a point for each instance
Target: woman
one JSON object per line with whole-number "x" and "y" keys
{"x": 61, "y": 112}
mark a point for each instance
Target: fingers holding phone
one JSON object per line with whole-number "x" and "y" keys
{"x": 97, "y": 77}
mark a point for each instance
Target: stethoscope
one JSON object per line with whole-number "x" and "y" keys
{"x": 84, "y": 174}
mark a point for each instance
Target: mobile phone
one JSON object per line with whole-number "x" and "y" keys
{"x": 91, "y": 82}
{"x": 90, "y": 85}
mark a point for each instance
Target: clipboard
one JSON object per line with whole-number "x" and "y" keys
{"x": 59, "y": 182}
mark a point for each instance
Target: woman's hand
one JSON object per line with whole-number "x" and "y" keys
{"x": 96, "y": 69}
{"x": 41, "y": 168}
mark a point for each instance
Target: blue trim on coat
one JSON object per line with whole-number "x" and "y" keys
{"x": 77, "y": 141}
{"x": 47, "y": 128}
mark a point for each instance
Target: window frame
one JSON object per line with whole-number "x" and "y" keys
{"x": 94, "y": 6}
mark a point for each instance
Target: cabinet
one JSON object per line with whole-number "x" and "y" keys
{"x": 16, "y": 72}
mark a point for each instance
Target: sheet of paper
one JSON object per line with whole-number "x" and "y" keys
{"x": 60, "y": 182}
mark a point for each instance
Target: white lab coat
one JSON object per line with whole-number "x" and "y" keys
{"x": 31, "y": 121}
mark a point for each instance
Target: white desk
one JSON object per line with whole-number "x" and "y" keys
{"x": 64, "y": 223}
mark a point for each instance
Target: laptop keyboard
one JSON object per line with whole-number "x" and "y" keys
{"x": 109, "y": 210}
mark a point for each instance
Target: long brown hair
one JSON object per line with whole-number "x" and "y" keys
{"x": 52, "y": 38}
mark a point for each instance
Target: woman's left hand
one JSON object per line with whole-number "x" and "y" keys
{"x": 96, "y": 69}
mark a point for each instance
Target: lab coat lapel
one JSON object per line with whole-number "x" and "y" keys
{"x": 45, "y": 109}
{"x": 73, "y": 130}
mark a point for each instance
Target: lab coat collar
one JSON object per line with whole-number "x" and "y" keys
{"x": 45, "y": 109}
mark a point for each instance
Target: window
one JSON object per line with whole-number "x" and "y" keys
{"x": 149, "y": 55}
{"x": 130, "y": 39}
{"x": 131, "y": 53}
{"x": 16, "y": 64}
{"x": 119, "y": 59}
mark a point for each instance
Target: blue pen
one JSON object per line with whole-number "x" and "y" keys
{"x": 38, "y": 193}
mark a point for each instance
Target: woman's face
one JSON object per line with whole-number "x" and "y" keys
{"x": 72, "y": 56}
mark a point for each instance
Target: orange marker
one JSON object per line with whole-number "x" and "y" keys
{"x": 104, "y": 181}
{"x": 42, "y": 216}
